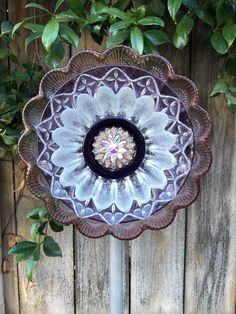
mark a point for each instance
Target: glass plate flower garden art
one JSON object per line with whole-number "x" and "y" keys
{"x": 115, "y": 143}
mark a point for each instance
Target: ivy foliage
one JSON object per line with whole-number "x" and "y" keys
{"x": 140, "y": 24}
{"x": 143, "y": 25}
{"x": 30, "y": 251}
{"x": 15, "y": 82}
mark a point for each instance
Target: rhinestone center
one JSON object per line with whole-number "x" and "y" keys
{"x": 114, "y": 148}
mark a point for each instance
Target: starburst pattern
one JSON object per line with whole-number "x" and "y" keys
{"x": 114, "y": 148}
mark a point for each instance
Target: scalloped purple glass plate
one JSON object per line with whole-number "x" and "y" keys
{"x": 148, "y": 76}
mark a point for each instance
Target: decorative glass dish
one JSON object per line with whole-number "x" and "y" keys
{"x": 115, "y": 142}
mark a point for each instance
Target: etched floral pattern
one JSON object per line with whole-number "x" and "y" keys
{"x": 175, "y": 136}
{"x": 174, "y": 95}
{"x": 136, "y": 187}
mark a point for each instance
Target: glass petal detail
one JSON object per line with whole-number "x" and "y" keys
{"x": 60, "y": 131}
{"x": 114, "y": 148}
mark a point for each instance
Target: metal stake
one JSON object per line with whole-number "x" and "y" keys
{"x": 116, "y": 276}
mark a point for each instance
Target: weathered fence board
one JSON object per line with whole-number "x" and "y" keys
{"x": 2, "y": 303}
{"x": 54, "y": 286}
{"x": 53, "y": 289}
{"x": 211, "y": 234}
{"x": 8, "y": 222}
{"x": 8, "y": 217}
{"x": 157, "y": 258}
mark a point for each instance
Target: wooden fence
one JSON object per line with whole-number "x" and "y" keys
{"x": 189, "y": 267}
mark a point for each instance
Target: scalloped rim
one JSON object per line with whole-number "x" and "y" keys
{"x": 164, "y": 217}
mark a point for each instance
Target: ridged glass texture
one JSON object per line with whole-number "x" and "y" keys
{"x": 174, "y": 97}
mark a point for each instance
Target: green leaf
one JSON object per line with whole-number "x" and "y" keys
{"x": 224, "y": 13}
{"x": 136, "y": 39}
{"x": 179, "y": 41}
{"x": 173, "y": 7}
{"x": 35, "y": 28}
{"x": 149, "y": 47}
{"x": 13, "y": 58}
{"x": 141, "y": 12}
{"x": 231, "y": 101}
{"x": 219, "y": 43}
{"x": 93, "y": 18}
{"x": 37, "y": 213}
{"x": 42, "y": 227}
{"x": 221, "y": 86}
{"x": 69, "y": 35}
{"x": 119, "y": 25}
{"x": 157, "y": 7}
{"x": 191, "y": 4}
{"x": 23, "y": 256}
{"x": 34, "y": 231}
{"x": 31, "y": 38}
{"x": 36, "y": 253}
{"x": 55, "y": 55}
{"x": 10, "y": 140}
{"x": 18, "y": 25}
{"x": 3, "y": 53}
{"x": 42, "y": 212}
{"x": 58, "y": 4}
{"x": 51, "y": 247}
{"x": 117, "y": 39}
{"x": 20, "y": 75}
{"x": 183, "y": 29}
{"x": 156, "y": 37}
{"x": 30, "y": 268}
{"x": 56, "y": 226}
{"x": 97, "y": 7}
{"x": 117, "y": 13}
{"x": 151, "y": 20}
{"x": 76, "y": 6}
{"x": 205, "y": 17}
{"x": 122, "y": 4}
{"x": 23, "y": 247}
{"x": 6, "y": 27}
{"x": 66, "y": 16}
{"x": 185, "y": 25}
{"x": 37, "y": 6}
{"x": 50, "y": 33}
{"x": 97, "y": 29}
{"x": 229, "y": 33}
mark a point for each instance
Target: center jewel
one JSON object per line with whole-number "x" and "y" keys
{"x": 114, "y": 148}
